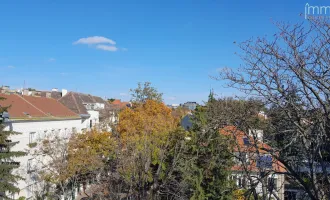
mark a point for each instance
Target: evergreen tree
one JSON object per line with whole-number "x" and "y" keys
{"x": 211, "y": 96}
{"x": 7, "y": 163}
{"x": 207, "y": 161}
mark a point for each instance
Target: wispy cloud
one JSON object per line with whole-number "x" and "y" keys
{"x": 63, "y": 74}
{"x": 100, "y": 42}
{"x": 95, "y": 40}
{"x": 171, "y": 98}
{"x": 10, "y": 67}
{"x": 123, "y": 94}
{"x": 106, "y": 47}
{"x": 51, "y": 59}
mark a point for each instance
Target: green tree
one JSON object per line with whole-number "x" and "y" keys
{"x": 207, "y": 161}
{"x": 111, "y": 100}
{"x": 211, "y": 96}
{"x": 7, "y": 163}
{"x": 145, "y": 92}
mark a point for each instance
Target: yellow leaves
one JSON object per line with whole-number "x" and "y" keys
{"x": 145, "y": 132}
{"x": 239, "y": 194}
{"x": 88, "y": 151}
{"x": 151, "y": 119}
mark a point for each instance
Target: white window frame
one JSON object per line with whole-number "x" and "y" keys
{"x": 32, "y": 137}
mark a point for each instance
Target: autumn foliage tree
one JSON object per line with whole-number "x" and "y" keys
{"x": 70, "y": 163}
{"x": 145, "y": 133}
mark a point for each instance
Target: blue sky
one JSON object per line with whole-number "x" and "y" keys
{"x": 174, "y": 44}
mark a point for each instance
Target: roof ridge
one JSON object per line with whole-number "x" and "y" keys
{"x": 75, "y": 102}
{"x": 64, "y": 96}
{"x": 93, "y": 99}
{"x": 31, "y": 104}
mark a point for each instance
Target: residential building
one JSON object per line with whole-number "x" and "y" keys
{"x": 117, "y": 103}
{"x": 173, "y": 106}
{"x": 190, "y": 105}
{"x": 252, "y": 160}
{"x": 89, "y": 108}
{"x": 35, "y": 118}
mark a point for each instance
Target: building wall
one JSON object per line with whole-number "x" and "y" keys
{"x": 279, "y": 182}
{"x": 94, "y": 119}
{"x": 32, "y": 131}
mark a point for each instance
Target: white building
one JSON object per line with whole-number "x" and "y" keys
{"x": 251, "y": 160}
{"x": 89, "y": 108}
{"x": 36, "y": 117}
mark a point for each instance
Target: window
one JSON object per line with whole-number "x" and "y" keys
{"x": 265, "y": 161}
{"x": 272, "y": 183}
{"x": 91, "y": 124}
{"x": 29, "y": 166}
{"x": 246, "y": 141}
{"x": 32, "y": 137}
{"x": 239, "y": 180}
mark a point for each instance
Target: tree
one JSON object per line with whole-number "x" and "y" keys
{"x": 206, "y": 160}
{"x": 147, "y": 136}
{"x": 111, "y": 100}
{"x": 72, "y": 161}
{"x": 290, "y": 72}
{"x": 145, "y": 92}
{"x": 7, "y": 159}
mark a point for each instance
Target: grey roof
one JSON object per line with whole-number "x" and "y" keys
{"x": 75, "y": 101}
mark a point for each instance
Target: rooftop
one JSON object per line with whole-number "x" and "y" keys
{"x": 76, "y": 101}
{"x": 35, "y": 108}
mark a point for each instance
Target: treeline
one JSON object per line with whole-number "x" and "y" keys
{"x": 148, "y": 155}
{"x": 285, "y": 81}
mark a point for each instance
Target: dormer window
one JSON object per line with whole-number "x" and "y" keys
{"x": 246, "y": 141}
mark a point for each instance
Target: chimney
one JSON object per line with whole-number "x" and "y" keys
{"x": 4, "y": 89}
{"x": 26, "y": 92}
{"x": 54, "y": 90}
{"x": 64, "y": 92}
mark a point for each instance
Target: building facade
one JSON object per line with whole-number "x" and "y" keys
{"x": 254, "y": 167}
{"x": 35, "y": 118}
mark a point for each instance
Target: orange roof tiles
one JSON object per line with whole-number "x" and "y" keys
{"x": 118, "y": 103}
{"x": 32, "y": 108}
{"x": 253, "y": 150}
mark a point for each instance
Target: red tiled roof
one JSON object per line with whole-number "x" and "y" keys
{"x": 32, "y": 108}
{"x": 118, "y": 103}
{"x": 252, "y": 150}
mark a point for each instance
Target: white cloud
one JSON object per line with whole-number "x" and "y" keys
{"x": 171, "y": 98}
{"x": 100, "y": 42}
{"x": 106, "y": 47}
{"x": 11, "y": 67}
{"x": 51, "y": 59}
{"x": 123, "y": 94}
{"x": 63, "y": 74}
{"x": 95, "y": 40}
